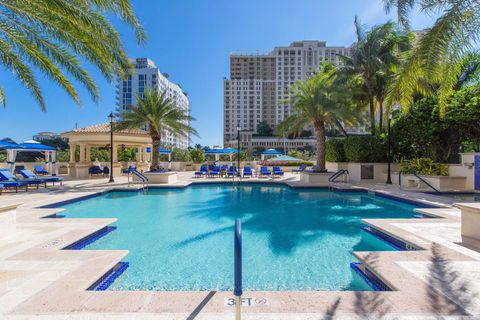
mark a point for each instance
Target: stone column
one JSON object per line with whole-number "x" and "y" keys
{"x": 115, "y": 153}
{"x": 87, "y": 153}
{"x": 72, "y": 152}
{"x": 82, "y": 153}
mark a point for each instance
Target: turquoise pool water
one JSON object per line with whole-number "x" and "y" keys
{"x": 293, "y": 239}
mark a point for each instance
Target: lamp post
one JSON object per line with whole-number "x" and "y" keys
{"x": 111, "y": 117}
{"x": 238, "y": 149}
{"x": 389, "y": 141}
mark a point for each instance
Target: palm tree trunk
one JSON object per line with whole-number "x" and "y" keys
{"x": 155, "y": 150}
{"x": 380, "y": 110}
{"x": 320, "y": 133}
{"x": 372, "y": 116}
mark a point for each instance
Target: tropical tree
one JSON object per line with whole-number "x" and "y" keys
{"x": 321, "y": 101}
{"x": 373, "y": 60}
{"x": 54, "y": 36}
{"x": 440, "y": 54}
{"x": 160, "y": 114}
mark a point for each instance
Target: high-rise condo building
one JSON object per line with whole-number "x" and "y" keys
{"x": 146, "y": 76}
{"x": 259, "y": 83}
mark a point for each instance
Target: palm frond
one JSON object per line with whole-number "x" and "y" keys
{"x": 54, "y": 36}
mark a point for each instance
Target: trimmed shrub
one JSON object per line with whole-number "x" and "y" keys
{"x": 335, "y": 150}
{"x": 365, "y": 149}
{"x": 424, "y": 166}
{"x": 182, "y": 155}
{"x": 197, "y": 155}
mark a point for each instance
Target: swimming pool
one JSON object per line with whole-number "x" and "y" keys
{"x": 293, "y": 239}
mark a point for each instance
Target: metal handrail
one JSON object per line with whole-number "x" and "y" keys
{"x": 238, "y": 291}
{"x": 419, "y": 178}
{"x": 338, "y": 174}
{"x": 141, "y": 176}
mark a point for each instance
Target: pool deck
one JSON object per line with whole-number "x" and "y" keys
{"x": 38, "y": 280}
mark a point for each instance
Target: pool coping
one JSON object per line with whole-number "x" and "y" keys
{"x": 37, "y": 303}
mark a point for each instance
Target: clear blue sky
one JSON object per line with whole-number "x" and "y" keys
{"x": 191, "y": 41}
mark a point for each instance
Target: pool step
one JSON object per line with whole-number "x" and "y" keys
{"x": 372, "y": 280}
{"x": 388, "y": 239}
{"x": 82, "y": 243}
{"x": 108, "y": 278}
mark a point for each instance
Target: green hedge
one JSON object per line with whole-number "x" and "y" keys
{"x": 424, "y": 166}
{"x": 335, "y": 150}
{"x": 356, "y": 149}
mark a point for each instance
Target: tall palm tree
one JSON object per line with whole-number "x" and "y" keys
{"x": 438, "y": 60}
{"x": 322, "y": 101}
{"x": 53, "y": 36}
{"x": 372, "y": 59}
{"x": 160, "y": 114}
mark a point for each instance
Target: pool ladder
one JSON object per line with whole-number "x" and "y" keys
{"x": 143, "y": 179}
{"x": 336, "y": 175}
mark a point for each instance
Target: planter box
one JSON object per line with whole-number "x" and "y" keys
{"x": 8, "y": 220}
{"x": 442, "y": 183}
{"x": 159, "y": 177}
{"x": 470, "y": 223}
{"x": 318, "y": 178}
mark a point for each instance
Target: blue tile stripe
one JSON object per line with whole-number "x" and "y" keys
{"x": 372, "y": 280}
{"x": 388, "y": 239}
{"x": 108, "y": 278}
{"x": 82, "y": 243}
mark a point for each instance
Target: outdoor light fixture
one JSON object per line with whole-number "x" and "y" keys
{"x": 389, "y": 173}
{"x": 111, "y": 117}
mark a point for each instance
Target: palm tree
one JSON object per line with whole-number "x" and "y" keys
{"x": 438, "y": 59}
{"x": 160, "y": 114}
{"x": 321, "y": 101}
{"x": 53, "y": 36}
{"x": 372, "y": 59}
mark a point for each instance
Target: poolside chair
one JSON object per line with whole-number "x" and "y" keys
{"x": 202, "y": 173}
{"x": 39, "y": 169}
{"x": 232, "y": 171}
{"x": 95, "y": 170}
{"x": 27, "y": 174}
{"x": 314, "y": 169}
{"x": 18, "y": 168}
{"x": 8, "y": 180}
{"x": 247, "y": 171}
{"x": 106, "y": 171}
{"x": 301, "y": 168}
{"x": 215, "y": 172}
{"x": 129, "y": 169}
{"x": 277, "y": 171}
{"x": 223, "y": 170}
{"x": 264, "y": 172}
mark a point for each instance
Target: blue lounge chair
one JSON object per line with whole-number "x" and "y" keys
{"x": 95, "y": 170}
{"x": 18, "y": 169}
{"x": 277, "y": 171}
{"x": 38, "y": 169}
{"x": 129, "y": 169}
{"x": 314, "y": 169}
{"x": 224, "y": 169}
{"x": 232, "y": 171}
{"x": 247, "y": 171}
{"x": 27, "y": 174}
{"x": 10, "y": 181}
{"x": 203, "y": 171}
{"x": 215, "y": 172}
{"x": 264, "y": 171}
{"x": 106, "y": 171}
{"x": 301, "y": 168}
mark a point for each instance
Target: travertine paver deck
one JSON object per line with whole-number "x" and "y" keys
{"x": 40, "y": 281}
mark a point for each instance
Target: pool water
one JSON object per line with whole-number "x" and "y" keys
{"x": 293, "y": 239}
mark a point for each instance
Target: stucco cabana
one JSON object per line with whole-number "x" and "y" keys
{"x": 96, "y": 136}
